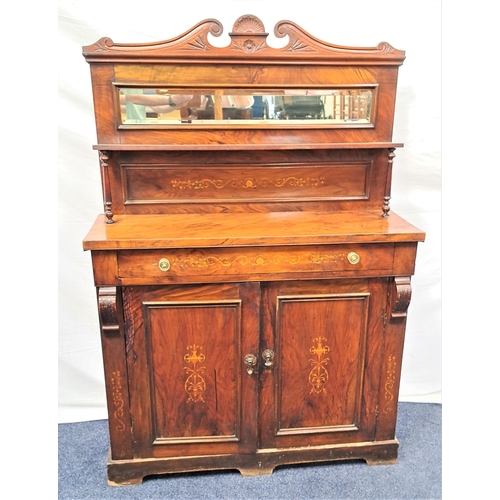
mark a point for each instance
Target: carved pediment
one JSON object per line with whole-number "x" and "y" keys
{"x": 248, "y": 43}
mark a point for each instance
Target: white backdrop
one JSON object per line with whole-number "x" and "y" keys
{"x": 410, "y": 25}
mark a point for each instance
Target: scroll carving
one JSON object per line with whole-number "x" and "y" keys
{"x": 248, "y": 38}
{"x": 194, "y": 39}
{"x": 300, "y": 40}
{"x": 108, "y": 313}
{"x": 401, "y": 296}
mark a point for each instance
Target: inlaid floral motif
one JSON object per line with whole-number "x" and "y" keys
{"x": 210, "y": 262}
{"x": 248, "y": 183}
{"x": 318, "y": 376}
{"x": 116, "y": 394}
{"x": 195, "y": 383}
{"x": 389, "y": 384}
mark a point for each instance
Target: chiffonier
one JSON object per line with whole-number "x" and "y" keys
{"x": 252, "y": 282}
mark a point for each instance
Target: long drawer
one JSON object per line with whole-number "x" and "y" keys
{"x": 254, "y": 263}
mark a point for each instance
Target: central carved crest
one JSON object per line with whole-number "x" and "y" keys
{"x": 248, "y": 24}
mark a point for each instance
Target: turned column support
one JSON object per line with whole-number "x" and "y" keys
{"x": 108, "y": 212}
{"x": 388, "y": 180}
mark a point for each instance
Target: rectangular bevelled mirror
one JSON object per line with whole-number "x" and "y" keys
{"x": 155, "y": 106}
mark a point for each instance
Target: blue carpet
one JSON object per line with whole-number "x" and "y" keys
{"x": 83, "y": 449}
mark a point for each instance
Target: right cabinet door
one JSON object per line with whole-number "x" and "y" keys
{"x": 327, "y": 337}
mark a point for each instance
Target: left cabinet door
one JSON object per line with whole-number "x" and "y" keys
{"x": 190, "y": 392}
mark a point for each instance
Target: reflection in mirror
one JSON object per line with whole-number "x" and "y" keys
{"x": 162, "y": 106}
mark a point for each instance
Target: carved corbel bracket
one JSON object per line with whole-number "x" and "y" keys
{"x": 400, "y": 296}
{"x": 108, "y": 311}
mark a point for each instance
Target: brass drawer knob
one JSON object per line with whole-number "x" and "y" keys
{"x": 164, "y": 265}
{"x": 353, "y": 257}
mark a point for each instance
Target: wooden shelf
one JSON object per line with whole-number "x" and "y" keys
{"x": 245, "y": 146}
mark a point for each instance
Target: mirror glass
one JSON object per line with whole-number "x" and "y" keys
{"x": 183, "y": 106}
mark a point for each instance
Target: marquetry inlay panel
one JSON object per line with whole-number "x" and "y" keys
{"x": 167, "y": 184}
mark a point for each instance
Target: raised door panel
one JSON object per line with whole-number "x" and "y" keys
{"x": 190, "y": 393}
{"x": 321, "y": 387}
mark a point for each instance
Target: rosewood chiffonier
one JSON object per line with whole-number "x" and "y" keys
{"x": 252, "y": 281}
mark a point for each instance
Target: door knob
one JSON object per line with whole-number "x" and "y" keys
{"x": 268, "y": 356}
{"x": 250, "y": 361}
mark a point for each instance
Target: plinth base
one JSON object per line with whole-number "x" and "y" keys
{"x": 133, "y": 471}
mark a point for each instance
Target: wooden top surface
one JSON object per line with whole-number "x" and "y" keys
{"x": 248, "y": 229}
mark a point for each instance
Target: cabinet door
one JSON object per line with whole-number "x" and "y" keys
{"x": 327, "y": 338}
{"x": 190, "y": 392}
